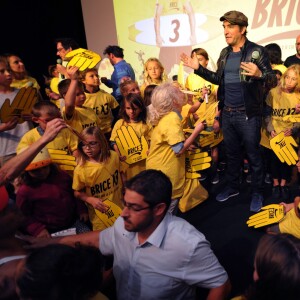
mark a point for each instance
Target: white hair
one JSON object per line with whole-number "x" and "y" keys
{"x": 164, "y": 99}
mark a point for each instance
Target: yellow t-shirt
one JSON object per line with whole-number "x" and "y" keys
{"x": 65, "y": 140}
{"x": 167, "y": 133}
{"x": 54, "y": 85}
{"x": 282, "y": 104}
{"x": 195, "y": 83}
{"x": 290, "y": 224}
{"x": 102, "y": 103}
{"x": 18, "y": 84}
{"x": 101, "y": 180}
{"x": 140, "y": 129}
{"x": 83, "y": 117}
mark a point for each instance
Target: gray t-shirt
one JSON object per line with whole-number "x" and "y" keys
{"x": 233, "y": 88}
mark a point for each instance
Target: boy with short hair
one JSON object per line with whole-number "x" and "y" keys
{"x": 75, "y": 113}
{"x": 43, "y": 112}
{"x": 103, "y": 103}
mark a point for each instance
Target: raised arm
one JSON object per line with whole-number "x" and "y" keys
{"x": 70, "y": 96}
{"x": 190, "y": 11}
{"x": 158, "y": 12}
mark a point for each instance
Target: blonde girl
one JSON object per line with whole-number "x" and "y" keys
{"x": 281, "y": 101}
{"x": 154, "y": 73}
{"x": 97, "y": 178}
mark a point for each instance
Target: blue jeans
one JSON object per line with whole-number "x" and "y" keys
{"x": 242, "y": 134}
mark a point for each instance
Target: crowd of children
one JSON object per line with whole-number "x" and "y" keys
{"x": 103, "y": 134}
{"x": 143, "y": 109}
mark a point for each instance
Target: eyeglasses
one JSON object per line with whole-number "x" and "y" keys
{"x": 135, "y": 207}
{"x": 92, "y": 144}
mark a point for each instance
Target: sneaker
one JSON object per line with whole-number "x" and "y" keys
{"x": 256, "y": 202}
{"x": 227, "y": 193}
{"x": 285, "y": 193}
{"x": 221, "y": 166}
{"x": 276, "y": 193}
{"x": 215, "y": 179}
{"x": 248, "y": 178}
{"x": 246, "y": 168}
{"x": 268, "y": 178}
{"x": 203, "y": 177}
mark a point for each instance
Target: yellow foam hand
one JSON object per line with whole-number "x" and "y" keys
{"x": 209, "y": 113}
{"x": 83, "y": 58}
{"x": 21, "y": 105}
{"x": 207, "y": 140}
{"x": 110, "y": 215}
{"x": 212, "y": 139}
{"x": 270, "y": 214}
{"x": 196, "y": 161}
{"x": 283, "y": 147}
{"x": 190, "y": 130}
{"x": 292, "y": 118}
{"x": 65, "y": 162}
{"x": 218, "y": 138}
{"x": 130, "y": 145}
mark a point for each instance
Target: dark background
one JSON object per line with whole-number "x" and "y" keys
{"x": 29, "y": 29}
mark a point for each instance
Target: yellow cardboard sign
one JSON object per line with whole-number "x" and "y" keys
{"x": 83, "y": 59}
{"x": 209, "y": 113}
{"x": 270, "y": 214}
{"x": 283, "y": 147}
{"x": 21, "y": 105}
{"x": 110, "y": 215}
{"x": 196, "y": 161}
{"x": 292, "y": 118}
{"x": 62, "y": 159}
{"x": 212, "y": 139}
{"x": 130, "y": 145}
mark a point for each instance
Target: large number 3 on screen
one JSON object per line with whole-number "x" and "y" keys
{"x": 176, "y": 28}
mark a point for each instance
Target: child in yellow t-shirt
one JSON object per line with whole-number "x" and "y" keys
{"x": 208, "y": 90}
{"x": 154, "y": 73}
{"x": 282, "y": 101}
{"x": 132, "y": 113}
{"x": 97, "y": 178}
{"x": 42, "y": 113}
{"x": 168, "y": 142}
{"x": 103, "y": 103}
{"x": 75, "y": 113}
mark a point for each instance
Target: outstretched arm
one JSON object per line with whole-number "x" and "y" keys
{"x": 17, "y": 164}
{"x": 88, "y": 239}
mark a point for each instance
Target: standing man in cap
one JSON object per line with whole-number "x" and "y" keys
{"x": 243, "y": 71}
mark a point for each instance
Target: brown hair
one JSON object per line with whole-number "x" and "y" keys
{"x": 98, "y": 134}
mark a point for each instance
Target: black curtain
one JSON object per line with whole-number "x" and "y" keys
{"x": 29, "y": 28}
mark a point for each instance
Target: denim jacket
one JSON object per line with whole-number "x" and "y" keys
{"x": 253, "y": 88}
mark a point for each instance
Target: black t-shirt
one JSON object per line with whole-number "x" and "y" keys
{"x": 291, "y": 60}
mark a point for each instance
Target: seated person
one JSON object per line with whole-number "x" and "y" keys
{"x": 46, "y": 199}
